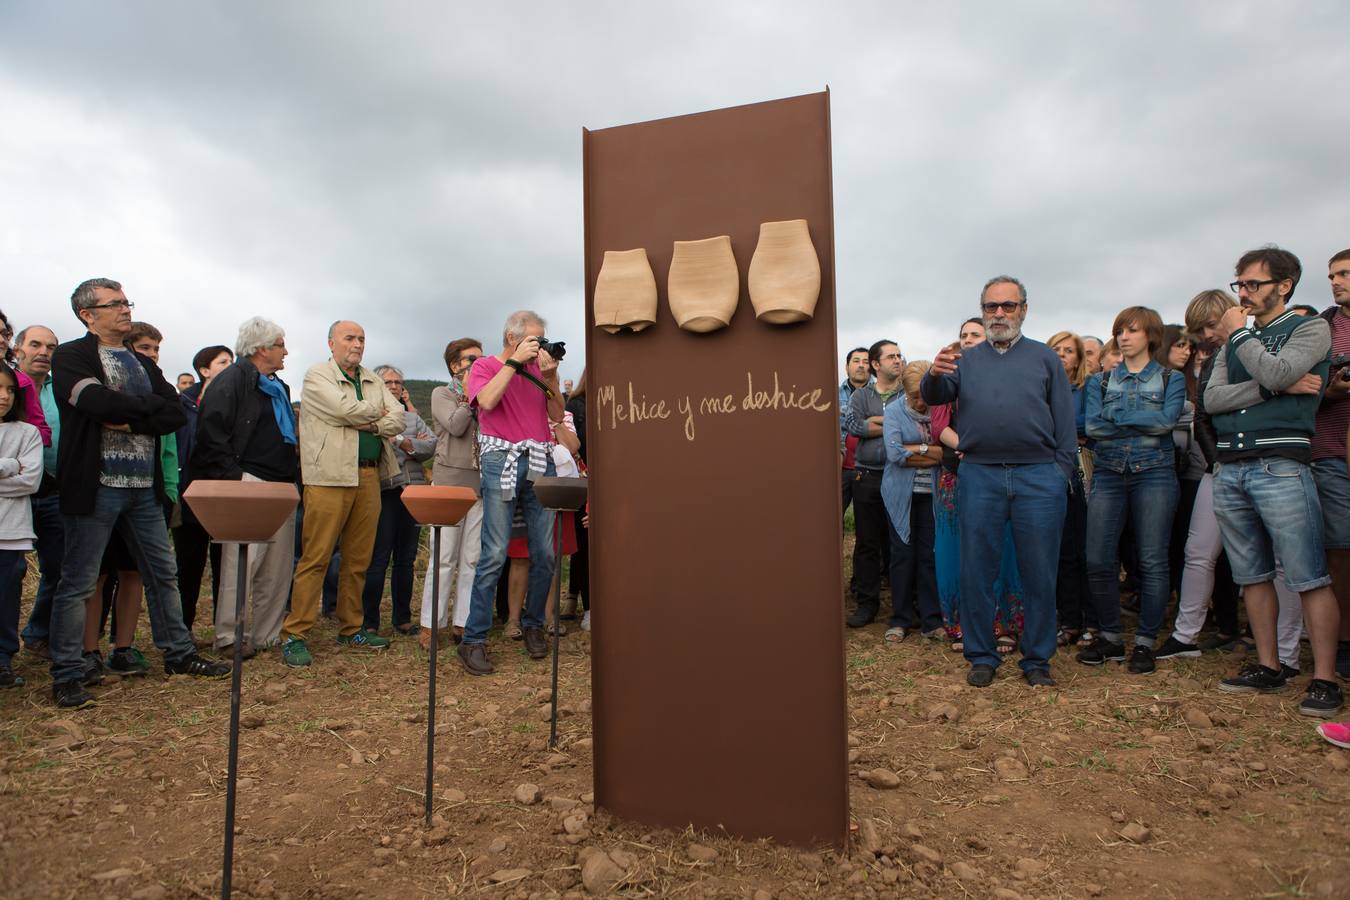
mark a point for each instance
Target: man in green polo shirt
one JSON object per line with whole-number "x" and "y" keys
{"x": 346, "y": 415}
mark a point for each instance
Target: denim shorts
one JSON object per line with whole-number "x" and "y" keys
{"x": 1267, "y": 510}
{"x": 1333, "y": 489}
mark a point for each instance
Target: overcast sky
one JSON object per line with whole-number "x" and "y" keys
{"x": 417, "y": 166}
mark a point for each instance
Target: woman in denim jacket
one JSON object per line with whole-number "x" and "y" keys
{"x": 1131, "y": 412}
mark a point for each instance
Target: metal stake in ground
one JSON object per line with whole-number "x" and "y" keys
{"x": 236, "y": 679}
{"x": 435, "y": 645}
{"x": 557, "y": 626}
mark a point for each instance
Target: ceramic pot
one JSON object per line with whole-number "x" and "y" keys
{"x": 555, "y": 492}
{"x": 704, "y": 284}
{"x": 241, "y": 511}
{"x": 784, "y": 273}
{"x": 625, "y": 291}
{"x": 438, "y": 504}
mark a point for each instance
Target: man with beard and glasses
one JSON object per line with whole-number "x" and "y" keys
{"x": 1263, "y": 395}
{"x": 1019, "y": 439}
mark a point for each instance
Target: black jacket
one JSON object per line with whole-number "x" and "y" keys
{"x": 1203, "y": 427}
{"x": 226, "y": 418}
{"x": 85, "y": 403}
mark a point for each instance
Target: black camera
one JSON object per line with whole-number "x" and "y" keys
{"x": 555, "y": 349}
{"x": 1342, "y": 362}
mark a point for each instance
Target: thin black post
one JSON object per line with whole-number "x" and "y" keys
{"x": 435, "y": 644}
{"x": 240, "y": 590}
{"x": 557, "y": 623}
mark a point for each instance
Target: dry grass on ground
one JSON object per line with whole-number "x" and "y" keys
{"x": 1108, "y": 786}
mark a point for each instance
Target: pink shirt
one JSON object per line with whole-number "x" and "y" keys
{"x": 522, "y": 412}
{"x": 32, "y": 408}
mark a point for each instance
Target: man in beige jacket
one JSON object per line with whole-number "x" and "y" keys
{"x": 346, "y": 417}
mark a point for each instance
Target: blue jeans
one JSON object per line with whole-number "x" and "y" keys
{"x": 11, "y": 590}
{"x": 1268, "y": 509}
{"x": 50, "y": 546}
{"x": 497, "y": 512}
{"x": 1147, "y": 498}
{"x": 1032, "y": 497}
{"x": 396, "y": 536}
{"x": 138, "y": 517}
{"x": 1333, "y": 491}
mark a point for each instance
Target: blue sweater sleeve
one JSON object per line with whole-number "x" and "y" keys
{"x": 939, "y": 389}
{"x": 1158, "y": 421}
{"x": 1062, "y": 409}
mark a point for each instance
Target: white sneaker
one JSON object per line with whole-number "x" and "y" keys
{"x": 586, "y": 621}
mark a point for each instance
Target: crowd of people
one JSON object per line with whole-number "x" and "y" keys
{"x": 97, "y": 448}
{"x": 1016, "y": 494}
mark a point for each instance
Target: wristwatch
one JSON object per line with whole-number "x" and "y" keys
{"x": 923, "y": 449}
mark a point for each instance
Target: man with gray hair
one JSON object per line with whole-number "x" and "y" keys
{"x": 246, "y": 431}
{"x": 346, "y": 414}
{"x": 114, "y": 403}
{"x": 520, "y": 406}
{"x": 1018, "y": 440}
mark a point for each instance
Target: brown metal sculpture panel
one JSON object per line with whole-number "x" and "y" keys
{"x": 718, "y": 651}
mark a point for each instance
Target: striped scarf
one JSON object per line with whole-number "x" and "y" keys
{"x": 538, "y": 453}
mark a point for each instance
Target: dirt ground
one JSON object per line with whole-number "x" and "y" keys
{"x": 1111, "y": 785}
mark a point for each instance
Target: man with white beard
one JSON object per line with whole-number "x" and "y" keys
{"x": 1018, "y": 441}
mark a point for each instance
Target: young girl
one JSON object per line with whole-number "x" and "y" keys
{"x": 20, "y": 475}
{"x": 1131, "y": 412}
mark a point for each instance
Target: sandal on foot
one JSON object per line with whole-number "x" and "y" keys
{"x": 894, "y": 635}
{"x": 1006, "y": 644}
{"x": 513, "y": 631}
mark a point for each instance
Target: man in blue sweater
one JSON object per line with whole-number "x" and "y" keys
{"x": 1018, "y": 440}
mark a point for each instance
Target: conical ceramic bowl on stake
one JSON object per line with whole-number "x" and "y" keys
{"x": 241, "y": 511}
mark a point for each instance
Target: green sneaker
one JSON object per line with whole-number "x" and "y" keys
{"x": 363, "y": 640}
{"x": 294, "y": 653}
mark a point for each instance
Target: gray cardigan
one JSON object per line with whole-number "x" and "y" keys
{"x": 456, "y": 440}
{"x": 20, "y": 475}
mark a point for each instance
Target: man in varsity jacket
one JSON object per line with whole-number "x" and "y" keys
{"x": 1263, "y": 396}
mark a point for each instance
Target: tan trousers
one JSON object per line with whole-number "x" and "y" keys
{"x": 269, "y": 577}
{"x": 352, "y": 514}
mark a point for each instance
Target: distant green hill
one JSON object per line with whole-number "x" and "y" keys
{"x": 419, "y": 389}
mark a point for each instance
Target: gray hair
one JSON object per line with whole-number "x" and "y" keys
{"x": 1092, "y": 337}
{"x": 380, "y": 370}
{"x": 516, "y": 323}
{"x": 1003, "y": 279}
{"x": 83, "y": 297}
{"x": 256, "y": 334}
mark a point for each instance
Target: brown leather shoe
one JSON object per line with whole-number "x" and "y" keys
{"x": 474, "y": 658}
{"x": 535, "y": 643}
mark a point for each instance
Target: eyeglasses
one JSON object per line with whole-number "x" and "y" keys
{"x": 115, "y": 304}
{"x": 1251, "y": 284}
{"x": 470, "y": 359}
{"x": 1008, "y": 306}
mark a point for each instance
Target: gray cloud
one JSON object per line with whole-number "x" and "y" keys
{"x": 417, "y": 165}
